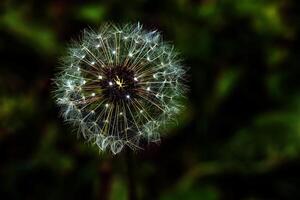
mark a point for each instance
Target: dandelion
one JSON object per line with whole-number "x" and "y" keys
{"x": 119, "y": 86}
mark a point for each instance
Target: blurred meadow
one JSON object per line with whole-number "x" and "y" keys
{"x": 238, "y": 138}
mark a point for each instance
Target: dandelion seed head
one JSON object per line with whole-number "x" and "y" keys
{"x": 120, "y": 85}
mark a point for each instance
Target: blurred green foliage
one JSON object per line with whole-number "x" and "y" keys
{"x": 93, "y": 13}
{"x": 238, "y": 138}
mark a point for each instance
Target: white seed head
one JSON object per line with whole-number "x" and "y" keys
{"x": 120, "y": 85}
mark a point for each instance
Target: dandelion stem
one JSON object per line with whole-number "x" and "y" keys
{"x": 106, "y": 177}
{"x": 131, "y": 175}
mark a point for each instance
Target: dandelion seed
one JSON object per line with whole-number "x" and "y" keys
{"x": 137, "y": 93}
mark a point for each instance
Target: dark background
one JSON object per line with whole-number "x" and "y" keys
{"x": 239, "y": 137}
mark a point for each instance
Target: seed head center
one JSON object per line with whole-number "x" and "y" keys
{"x": 119, "y": 82}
